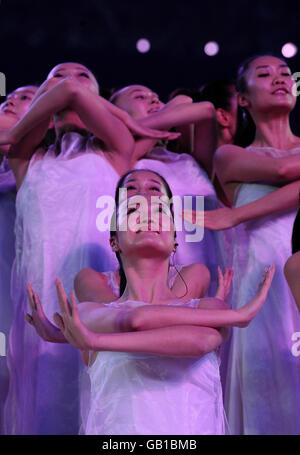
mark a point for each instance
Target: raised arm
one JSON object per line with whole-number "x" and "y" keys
{"x": 96, "y": 113}
{"x": 179, "y": 341}
{"x": 6, "y": 123}
{"x": 70, "y": 94}
{"x": 178, "y": 114}
{"x": 278, "y": 201}
{"x": 155, "y": 316}
{"x": 161, "y": 329}
{"x": 202, "y": 115}
{"x": 236, "y": 164}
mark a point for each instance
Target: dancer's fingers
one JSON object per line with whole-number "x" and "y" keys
{"x": 62, "y": 297}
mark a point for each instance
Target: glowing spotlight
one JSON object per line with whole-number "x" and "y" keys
{"x": 211, "y": 48}
{"x": 289, "y": 50}
{"x": 143, "y": 45}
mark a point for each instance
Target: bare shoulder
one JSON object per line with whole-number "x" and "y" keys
{"x": 197, "y": 277}
{"x": 88, "y": 274}
{"x": 227, "y": 150}
{"x": 197, "y": 268}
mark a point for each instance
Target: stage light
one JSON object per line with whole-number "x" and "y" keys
{"x": 211, "y": 48}
{"x": 289, "y": 50}
{"x": 143, "y": 45}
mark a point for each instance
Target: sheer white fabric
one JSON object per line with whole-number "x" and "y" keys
{"x": 148, "y": 394}
{"x": 263, "y": 382}
{"x": 7, "y": 254}
{"x": 56, "y": 236}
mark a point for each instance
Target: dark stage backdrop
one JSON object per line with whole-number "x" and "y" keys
{"x": 36, "y": 35}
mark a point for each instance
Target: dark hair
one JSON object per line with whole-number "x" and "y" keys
{"x": 296, "y": 233}
{"x": 246, "y": 131}
{"x": 218, "y": 92}
{"x": 241, "y": 83}
{"x": 114, "y": 217}
{"x": 192, "y": 93}
{"x": 114, "y": 94}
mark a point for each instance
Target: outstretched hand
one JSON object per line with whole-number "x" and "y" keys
{"x": 224, "y": 283}
{"x": 38, "y": 319}
{"x": 215, "y": 220}
{"x": 247, "y": 312}
{"x": 69, "y": 321}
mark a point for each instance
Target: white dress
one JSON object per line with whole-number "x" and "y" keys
{"x": 56, "y": 236}
{"x": 186, "y": 178}
{"x": 263, "y": 382}
{"x": 143, "y": 394}
{"x": 7, "y": 254}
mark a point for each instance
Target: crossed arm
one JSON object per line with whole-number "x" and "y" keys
{"x": 155, "y": 329}
{"x": 237, "y": 164}
{"x": 102, "y": 119}
{"x": 278, "y": 201}
{"x": 181, "y": 112}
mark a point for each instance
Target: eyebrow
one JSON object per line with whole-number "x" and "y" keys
{"x": 143, "y": 90}
{"x": 77, "y": 68}
{"x": 149, "y": 180}
{"x": 29, "y": 91}
{"x": 137, "y": 90}
{"x": 23, "y": 92}
{"x": 283, "y": 65}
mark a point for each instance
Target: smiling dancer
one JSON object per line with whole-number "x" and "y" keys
{"x": 263, "y": 394}
{"x": 163, "y": 347}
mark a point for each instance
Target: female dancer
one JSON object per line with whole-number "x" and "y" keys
{"x": 56, "y": 230}
{"x": 91, "y": 285}
{"x": 144, "y": 106}
{"x": 142, "y": 333}
{"x": 178, "y": 169}
{"x": 263, "y": 394}
{"x": 11, "y": 110}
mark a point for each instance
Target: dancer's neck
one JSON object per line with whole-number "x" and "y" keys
{"x": 147, "y": 281}
{"x": 141, "y": 148}
{"x": 275, "y": 131}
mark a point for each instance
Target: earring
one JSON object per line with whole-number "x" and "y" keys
{"x": 114, "y": 246}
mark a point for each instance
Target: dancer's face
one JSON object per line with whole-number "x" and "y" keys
{"x": 18, "y": 101}
{"x": 269, "y": 86}
{"x": 77, "y": 71}
{"x": 144, "y": 183}
{"x": 146, "y": 226}
{"x": 82, "y": 75}
{"x": 139, "y": 101}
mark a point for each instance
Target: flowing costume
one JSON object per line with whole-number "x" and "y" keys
{"x": 7, "y": 254}
{"x": 156, "y": 395}
{"x": 56, "y": 236}
{"x": 263, "y": 381}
